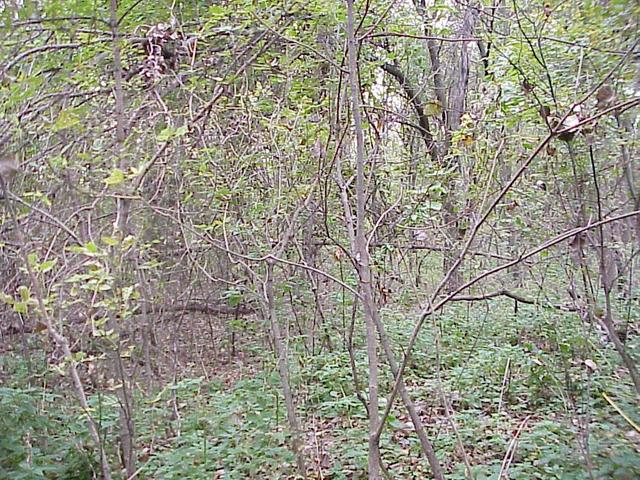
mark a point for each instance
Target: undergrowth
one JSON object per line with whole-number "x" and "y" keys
{"x": 535, "y": 393}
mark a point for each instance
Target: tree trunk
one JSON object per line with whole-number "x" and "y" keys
{"x": 360, "y": 249}
{"x": 281, "y": 351}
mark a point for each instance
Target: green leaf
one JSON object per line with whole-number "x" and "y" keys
{"x": 20, "y": 307}
{"x": 6, "y": 298}
{"x": 110, "y": 241}
{"x": 217, "y": 12}
{"x": 48, "y": 265}
{"x": 24, "y": 292}
{"x": 66, "y": 119}
{"x": 91, "y": 247}
{"x": 170, "y": 133}
{"x": 32, "y": 259}
{"x": 233, "y": 297}
{"x": 116, "y": 177}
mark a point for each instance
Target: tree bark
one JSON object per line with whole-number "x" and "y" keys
{"x": 360, "y": 249}
{"x": 281, "y": 351}
{"x": 123, "y": 207}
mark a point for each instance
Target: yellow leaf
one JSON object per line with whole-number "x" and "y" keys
{"x": 433, "y": 108}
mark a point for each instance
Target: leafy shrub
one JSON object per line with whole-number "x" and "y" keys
{"x": 35, "y": 445}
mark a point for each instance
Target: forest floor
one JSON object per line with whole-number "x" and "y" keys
{"x": 540, "y": 402}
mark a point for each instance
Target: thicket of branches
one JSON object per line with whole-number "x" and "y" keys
{"x": 277, "y": 163}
